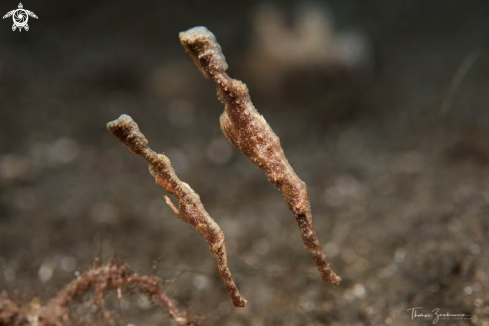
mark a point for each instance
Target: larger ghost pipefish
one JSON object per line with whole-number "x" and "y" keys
{"x": 248, "y": 131}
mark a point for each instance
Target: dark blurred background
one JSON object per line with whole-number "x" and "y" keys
{"x": 381, "y": 107}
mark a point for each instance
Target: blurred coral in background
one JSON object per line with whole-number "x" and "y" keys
{"x": 311, "y": 40}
